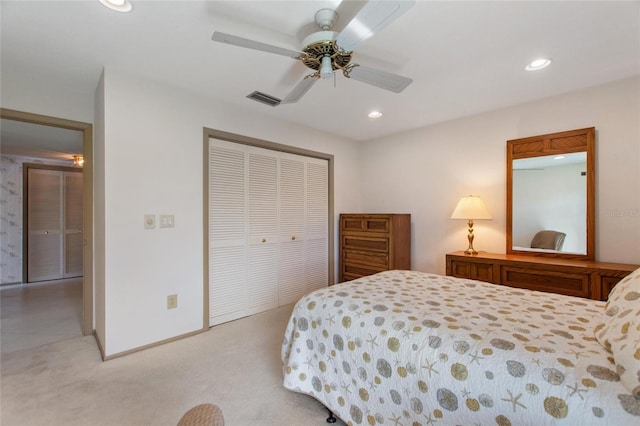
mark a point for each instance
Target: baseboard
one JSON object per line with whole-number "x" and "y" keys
{"x": 150, "y": 345}
{"x": 100, "y": 347}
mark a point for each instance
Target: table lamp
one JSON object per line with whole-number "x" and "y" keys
{"x": 470, "y": 208}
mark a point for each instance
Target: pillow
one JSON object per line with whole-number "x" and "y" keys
{"x": 619, "y": 330}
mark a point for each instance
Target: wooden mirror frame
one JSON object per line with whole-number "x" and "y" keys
{"x": 581, "y": 140}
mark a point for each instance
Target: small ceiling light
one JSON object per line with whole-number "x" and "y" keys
{"x": 326, "y": 69}
{"x": 538, "y": 64}
{"x": 375, "y": 114}
{"x": 117, "y": 5}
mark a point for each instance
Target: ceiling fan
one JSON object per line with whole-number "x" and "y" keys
{"x": 327, "y": 51}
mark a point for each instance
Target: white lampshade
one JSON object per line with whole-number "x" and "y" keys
{"x": 471, "y": 207}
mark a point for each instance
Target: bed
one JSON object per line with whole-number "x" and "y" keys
{"x": 411, "y": 348}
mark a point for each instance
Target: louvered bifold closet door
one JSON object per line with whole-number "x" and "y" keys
{"x": 227, "y": 232}
{"x": 73, "y": 237}
{"x": 317, "y": 224}
{"x": 262, "y": 285}
{"x": 45, "y": 224}
{"x": 292, "y": 229}
{"x": 268, "y": 229}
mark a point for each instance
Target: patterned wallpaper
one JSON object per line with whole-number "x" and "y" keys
{"x": 11, "y": 215}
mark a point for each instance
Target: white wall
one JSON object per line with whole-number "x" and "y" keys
{"x": 153, "y": 164}
{"x": 23, "y": 91}
{"x": 425, "y": 172}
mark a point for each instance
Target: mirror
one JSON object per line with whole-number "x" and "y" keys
{"x": 551, "y": 195}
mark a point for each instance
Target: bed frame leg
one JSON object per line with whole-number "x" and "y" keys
{"x": 331, "y": 418}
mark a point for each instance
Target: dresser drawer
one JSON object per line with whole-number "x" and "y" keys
{"x": 353, "y": 271}
{"x": 474, "y": 271}
{"x": 366, "y": 257}
{"x": 607, "y": 283}
{"x": 365, "y": 224}
{"x": 365, "y": 243}
{"x": 571, "y": 284}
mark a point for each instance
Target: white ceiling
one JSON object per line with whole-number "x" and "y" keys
{"x": 465, "y": 57}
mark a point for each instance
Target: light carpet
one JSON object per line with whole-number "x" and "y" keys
{"x": 234, "y": 365}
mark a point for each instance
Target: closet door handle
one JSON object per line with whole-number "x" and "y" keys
{"x": 293, "y": 238}
{"x": 264, "y": 240}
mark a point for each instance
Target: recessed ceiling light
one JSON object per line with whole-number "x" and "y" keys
{"x": 118, "y": 5}
{"x": 538, "y": 64}
{"x": 375, "y": 114}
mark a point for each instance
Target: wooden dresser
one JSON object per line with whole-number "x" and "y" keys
{"x": 593, "y": 280}
{"x": 371, "y": 243}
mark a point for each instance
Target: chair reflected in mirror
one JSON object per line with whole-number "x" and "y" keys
{"x": 549, "y": 240}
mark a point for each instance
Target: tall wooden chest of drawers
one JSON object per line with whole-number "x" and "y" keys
{"x": 371, "y": 243}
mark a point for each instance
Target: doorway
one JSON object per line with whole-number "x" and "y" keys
{"x": 87, "y": 197}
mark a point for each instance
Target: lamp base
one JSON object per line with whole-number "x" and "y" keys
{"x": 470, "y": 250}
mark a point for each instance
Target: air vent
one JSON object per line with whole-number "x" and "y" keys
{"x": 264, "y": 98}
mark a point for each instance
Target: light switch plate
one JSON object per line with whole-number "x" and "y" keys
{"x": 149, "y": 221}
{"x": 172, "y": 301}
{"x": 166, "y": 221}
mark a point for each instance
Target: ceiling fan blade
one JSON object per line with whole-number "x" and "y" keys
{"x": 382, "y": 79}
{"x": 300, "y": 89}
{"x": 251, "y": 44}
{"x": 370, "y": 20}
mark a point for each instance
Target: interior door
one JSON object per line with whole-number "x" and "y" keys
{"x": 45, "y": 224}
{"x": 54, "y": 224}
{"x": 292, "y": 229}
{"x": 262, "y": 230}
{"x": 73, "y": 238}
{"x": 268, "y": 239}
{"x": 317, "y": 225}
{"x": 227, "y": 232}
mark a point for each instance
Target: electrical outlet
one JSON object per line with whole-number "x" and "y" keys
{"x": 172, "y": 301}
{"x": 149, "y": 221}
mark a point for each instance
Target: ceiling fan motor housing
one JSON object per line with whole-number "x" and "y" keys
{"x": 321, "y": 44}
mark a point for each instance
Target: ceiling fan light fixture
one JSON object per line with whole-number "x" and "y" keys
{"x": 117, "y": 5}
{"x": 326, "y": 70}
{"x": 538, "y": 64}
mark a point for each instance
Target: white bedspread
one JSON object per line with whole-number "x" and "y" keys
{"x": 409, "y": 348}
